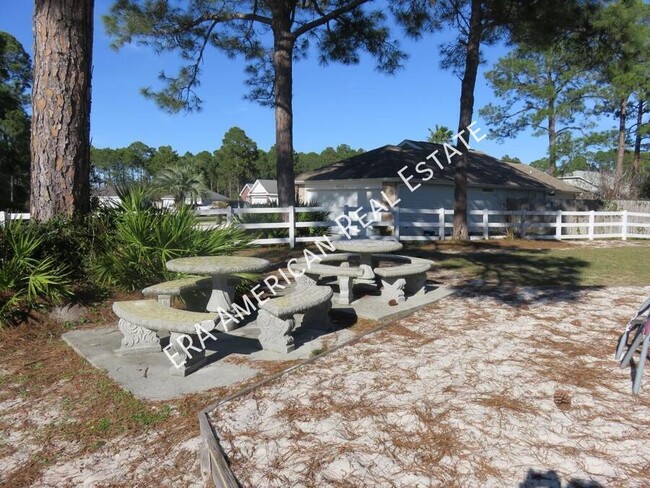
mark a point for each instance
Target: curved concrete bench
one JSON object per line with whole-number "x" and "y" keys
{"x": 164, "y": 292}
{"x": 345, "y": 276}
{"x": 398, "y": 258}
{"x": 409, "y": 278}
{"x": 140, "y": 319}
{"x": 276, "y": 316}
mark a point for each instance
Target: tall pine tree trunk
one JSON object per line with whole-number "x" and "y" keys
{"x": 552, "y": 135}
{"x": 552, "y": 146}
{"x": 620, "y": 153}
{"x": 636, "y": 160}
{"x": 61, "y": 108}
{"x": 461, "y": 228}
{"x": 283, "y": 91}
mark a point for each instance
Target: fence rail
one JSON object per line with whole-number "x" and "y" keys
{"x": 414, "y": 224}
{"x": 4, "y": 216}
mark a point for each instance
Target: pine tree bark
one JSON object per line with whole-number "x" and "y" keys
{"x": 60, "y": 143}
{"x": 636, "y": 160}
{"x": 283, "y": 43}
{"x": 620, "y": 153}
{"x": 461, "y": 228}
{"x": 552, "y": 135}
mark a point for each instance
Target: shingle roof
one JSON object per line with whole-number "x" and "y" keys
{"x": 556, "y": 183}
{"x": 385, "y": 162}
{"x": 271, "y": 186}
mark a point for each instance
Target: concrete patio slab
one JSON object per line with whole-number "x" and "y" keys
{"x": 373, "y": 307}
{"x": 147, "y": 375}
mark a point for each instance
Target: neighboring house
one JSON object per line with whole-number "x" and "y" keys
{"x": 492, "y": 184}
{"x": 106, "y": 196}
{"x": 261, "y": 192}
{"x": 244, "y": 193}
{"x": 205, "y": 200}
{"x": 589, "y": 182}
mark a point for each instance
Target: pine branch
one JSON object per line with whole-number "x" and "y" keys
{"x": 326, "y": 18}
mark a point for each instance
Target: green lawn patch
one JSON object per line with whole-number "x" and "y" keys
{"x": 616, "y": 266}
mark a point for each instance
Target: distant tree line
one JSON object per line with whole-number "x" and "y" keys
{"x": 224, "y": 170}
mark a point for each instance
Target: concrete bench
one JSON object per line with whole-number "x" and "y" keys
{"x": 344, "y": 274}
{"x": 404, "y": 278}
{"x": 398, "y": 258}
{"x": 141, "y": 319}
{"x": 276, "y": 316}
{"x": 164, "y": 292}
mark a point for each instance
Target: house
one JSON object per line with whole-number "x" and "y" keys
{"x": 260, "y": 192}
{"x": 243, "y": 194}
{"x": 563, "y": 189}
{"x": 589, "y": 182}
{"x": 404, "y": 173}
{"x": 205, "y": 200}
{"x": 106, "y": 196}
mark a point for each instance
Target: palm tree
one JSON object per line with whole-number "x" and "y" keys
{"x": 440, "y": 135}
{"x": 181, "y": 182}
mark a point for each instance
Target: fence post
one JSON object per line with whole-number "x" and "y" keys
{"x": 346, "y": 212}
{"x": 592, "y": 220}
{"x": 396, "y": 223}
{"x": 624, "y": 226}
{"x": 486, "y": 224}
{"x": 229, "y": 215}
{"x": 522, "y": 224}
{"x": 441, "y": 224}
{"x": 558, "y": 225}
{"x": 2, "y": 219}
{"x": 292, "y": 227}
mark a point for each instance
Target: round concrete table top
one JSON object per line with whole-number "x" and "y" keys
{"x": 366, "y": 246}
{"x": 217, "y": 265}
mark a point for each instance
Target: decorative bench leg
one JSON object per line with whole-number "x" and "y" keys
{"x": 165, "y": 300}
{"x": 183, "y": 352}
{"x": 318, "y": 317}
{"x": 275, "y": 333}
{"x": 415, "y": 284}
{"x": 345, "y": 289}
{"x": 137, "y": 339}
{"x": 393, "y": 289}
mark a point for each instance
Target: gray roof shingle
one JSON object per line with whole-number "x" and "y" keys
{"x": 385, "y": 162}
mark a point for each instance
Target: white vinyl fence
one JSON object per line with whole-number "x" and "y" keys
{"x": 4, "y": 216}
{"x": 409, "y": 224}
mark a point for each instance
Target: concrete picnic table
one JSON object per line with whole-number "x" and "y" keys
{"x": 219, "y": 267}
{"x": 366, "y": 247}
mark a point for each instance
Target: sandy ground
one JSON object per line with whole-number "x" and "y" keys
{"x": 493, "y": 387}
{"x": 506, "y": 388}
{"x": 145, "y": 460}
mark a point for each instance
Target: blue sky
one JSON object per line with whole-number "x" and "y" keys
{"x": 333, "y": 105}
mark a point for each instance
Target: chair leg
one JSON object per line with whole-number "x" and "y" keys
{"x": 632, "y": 349}
{"x": 639, "y": 370}
{"x": 623, "y": 340}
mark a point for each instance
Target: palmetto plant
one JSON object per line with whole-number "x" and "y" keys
{"x": 145, "y": 238}
{"x": 181, "y": 182}
{"x": 25, "y": 277}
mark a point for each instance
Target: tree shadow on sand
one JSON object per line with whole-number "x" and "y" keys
{"x": 511, "y": 275}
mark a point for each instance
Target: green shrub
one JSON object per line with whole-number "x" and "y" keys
{"x": 27, "y": 273}
{"x": 134, "y": 253}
